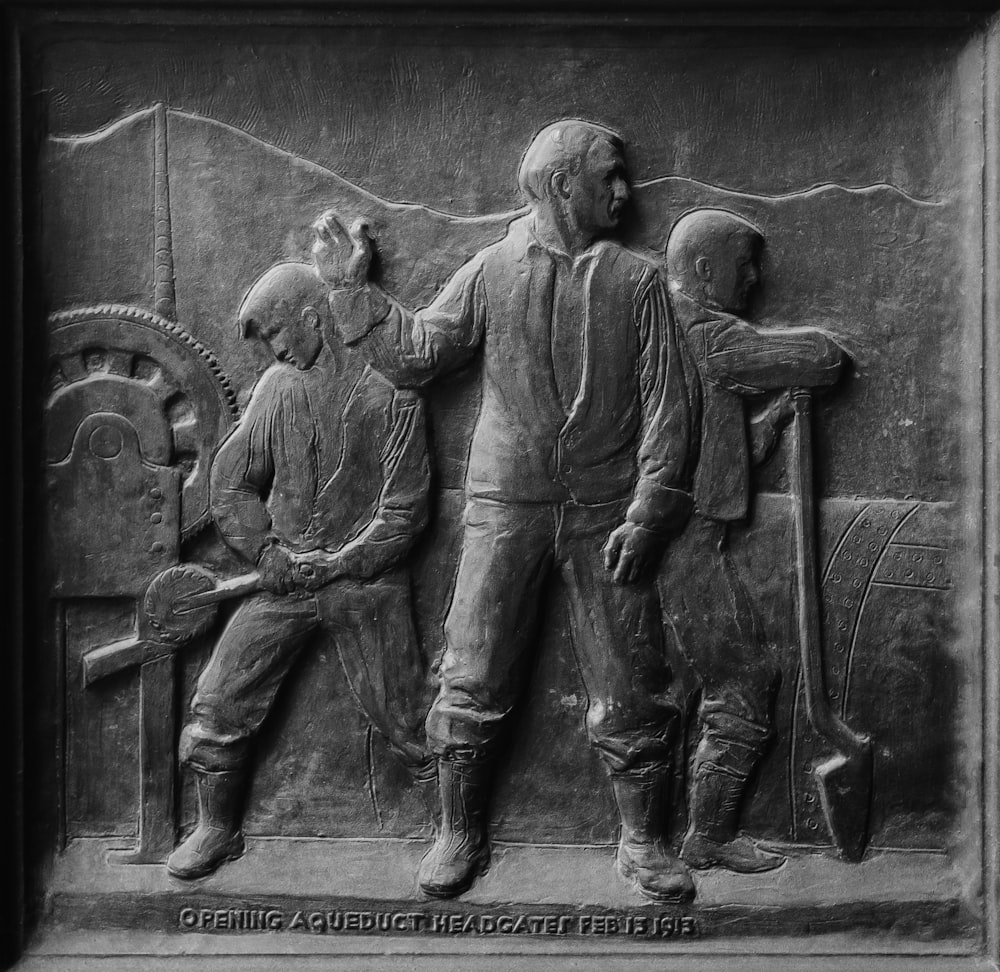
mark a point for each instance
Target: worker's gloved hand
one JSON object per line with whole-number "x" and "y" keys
{"x": 277, "y": 569}
{"x": 316, "y": 568}
{"x": 633, "y": 553}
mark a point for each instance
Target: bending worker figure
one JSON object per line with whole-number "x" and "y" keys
{"x": 323, "y": 487}
{"x": 579, "y": 467}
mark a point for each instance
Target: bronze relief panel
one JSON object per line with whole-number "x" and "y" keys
{"x": 511, "y": 486}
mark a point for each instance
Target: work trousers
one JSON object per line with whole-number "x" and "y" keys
{"x": 509, "y": 552}
{"x": 371, "y": 627}
{"x": 720, "y": 634}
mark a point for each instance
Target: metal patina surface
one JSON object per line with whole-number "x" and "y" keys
{"x": 507, "y": 491}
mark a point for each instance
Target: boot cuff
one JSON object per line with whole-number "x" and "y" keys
{"x": 729, "y": 728}
{"x": 644, "y": 773}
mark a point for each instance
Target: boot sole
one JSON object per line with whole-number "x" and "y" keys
{"x": 704, "y": 861}
{"x": 194, "y": 874}
{"x": 705, "y": 865}
{"x": 628, "y": 872}
{"x": 480, "y": 866}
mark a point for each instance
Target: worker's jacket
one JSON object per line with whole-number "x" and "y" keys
{"x": 323, "y": 459}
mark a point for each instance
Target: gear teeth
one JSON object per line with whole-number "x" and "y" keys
{"x": 138, "y": 315}
{"x": 146, "y": 318}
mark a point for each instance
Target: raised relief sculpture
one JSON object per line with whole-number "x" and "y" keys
{"x": 580, "y": 467}
{"x": 542, "y": 446}
{"x": 843, "y": 769}
{"x": 323, "y": 487}
{"x": 620, "y": 403}
{"x": 713, "y": 265}
{"x": 136, "y": 407}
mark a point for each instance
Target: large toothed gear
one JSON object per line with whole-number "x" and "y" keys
{"x": 113, "y": 358}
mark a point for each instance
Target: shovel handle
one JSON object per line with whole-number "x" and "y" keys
{"x": 234, "y": 587}
{"x": 821, "y": 714}
{"x": 328, "y": 567}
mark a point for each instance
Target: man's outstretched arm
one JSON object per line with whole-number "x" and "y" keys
{"x": 409, "y": 348}
{"x": 743, "y": 359}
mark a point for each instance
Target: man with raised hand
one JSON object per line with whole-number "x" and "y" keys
{"x": 579, "y": 467}
{"x": 322, "y": 486}
{"x": 713, "y": 265}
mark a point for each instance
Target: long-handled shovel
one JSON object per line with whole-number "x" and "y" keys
{"x": 844, "y": 778}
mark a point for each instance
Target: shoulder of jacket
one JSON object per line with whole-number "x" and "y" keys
{"x": 691, "y": 313}
{"x": 639, "y": 269}
{"x": 277, "y": 380}
{"x": 512, "y": 245}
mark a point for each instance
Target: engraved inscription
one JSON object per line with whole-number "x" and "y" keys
{"x": 437, "y": 923}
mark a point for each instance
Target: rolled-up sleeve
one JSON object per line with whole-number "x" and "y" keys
{"x": 409, "y": 348}
{"x": 740, "y": 358}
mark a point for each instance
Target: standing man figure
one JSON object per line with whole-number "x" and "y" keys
{"x": 579, "y": 467}
{"x": 712, "y": 264}
{"x": 322, "y": 486}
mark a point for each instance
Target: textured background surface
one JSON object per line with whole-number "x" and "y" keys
{"x": 856, "y": 153}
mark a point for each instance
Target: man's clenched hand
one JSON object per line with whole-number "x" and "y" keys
{"x": 317, "y": 568}
{"x": 277, "y": 569}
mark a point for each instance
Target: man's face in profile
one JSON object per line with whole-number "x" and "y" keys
{"x": 600, "y": 191}
{"x": 293, "y": 338}
{"x": 735, "y": 271}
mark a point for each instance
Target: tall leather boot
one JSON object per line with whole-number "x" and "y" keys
{"x": 721, "y": 770}
{"x": 218, "y": 837}
{"x": 425, "y": 782}
{"x": 461, "y": 849}
{"x": 644, "y": 858}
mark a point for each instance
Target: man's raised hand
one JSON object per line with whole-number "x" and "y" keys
{"x": 342, "y": 257}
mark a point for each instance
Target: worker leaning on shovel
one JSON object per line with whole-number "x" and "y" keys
{"x": 713, "y": 265}
{"x": 323, "y": 487}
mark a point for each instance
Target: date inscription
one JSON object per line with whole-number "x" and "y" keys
{"x": 319, "y": 922}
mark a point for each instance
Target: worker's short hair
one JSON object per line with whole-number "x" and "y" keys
{"x": 295, "y": 284}
{"x": 694, "y": 229}
{"x": 560, "y": 147}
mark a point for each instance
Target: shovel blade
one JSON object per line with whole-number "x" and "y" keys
{"x": 845, "y": 790}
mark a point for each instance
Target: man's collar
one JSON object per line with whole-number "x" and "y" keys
{"x": 696, "y": 304}
{"x": 537, "y": 240}
{"x": 676, "y": 290}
